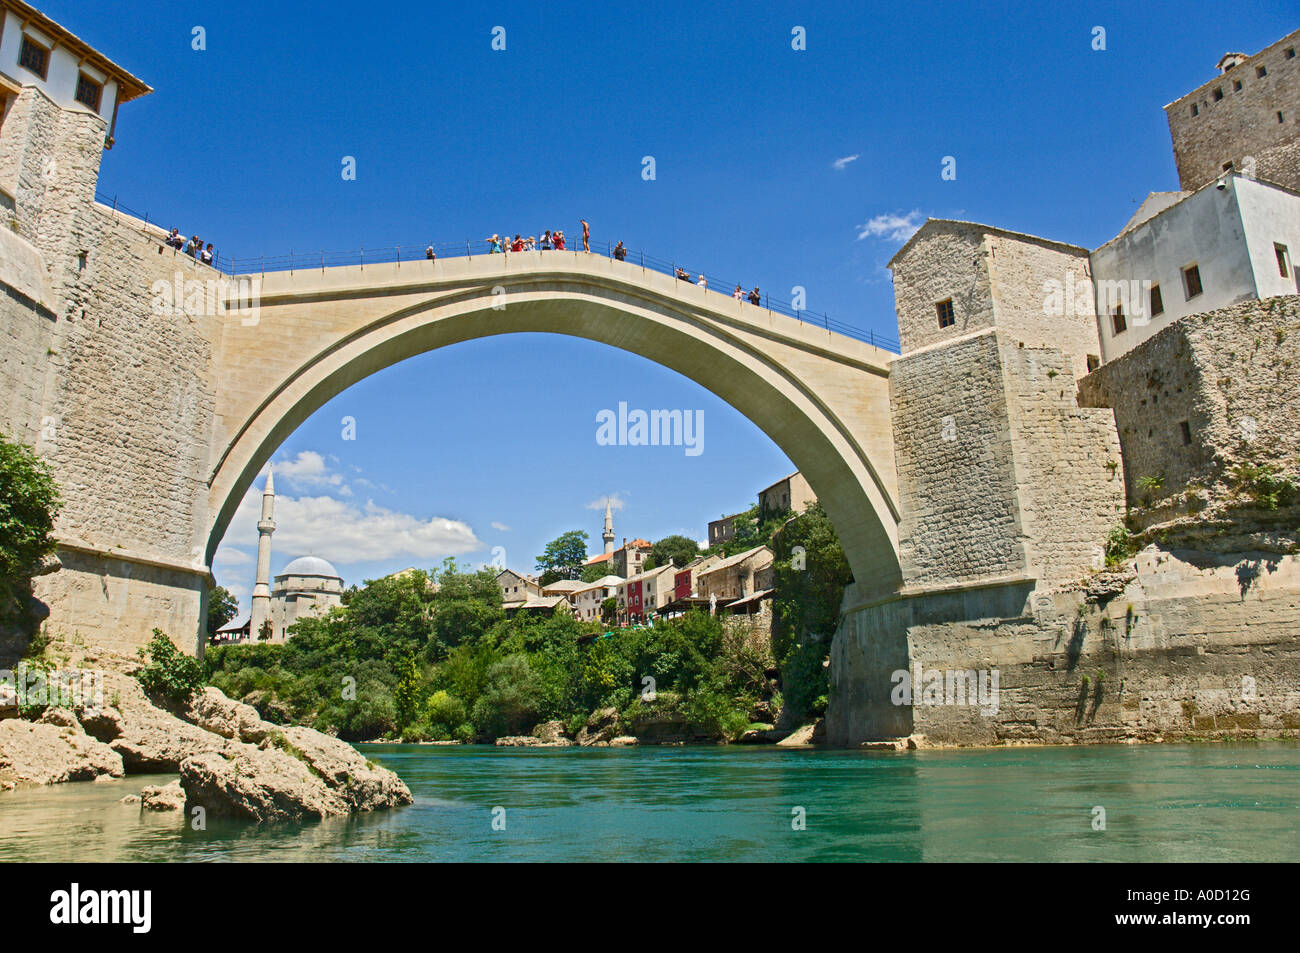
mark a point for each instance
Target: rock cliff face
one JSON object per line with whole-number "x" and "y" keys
{"x": 231, "y": 763}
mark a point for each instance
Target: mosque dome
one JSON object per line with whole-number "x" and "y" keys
{"x": 310, "y": 566}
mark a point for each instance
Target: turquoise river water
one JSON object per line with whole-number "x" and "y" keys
{"x": 1161, "y": 803}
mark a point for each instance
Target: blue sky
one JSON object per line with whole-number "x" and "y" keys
{"x": 491, "y": 443}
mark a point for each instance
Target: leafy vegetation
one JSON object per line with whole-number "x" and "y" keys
{"x": 564, "y": 557}
{"x": 752, "y": 528}
{"x": 1265, "y": 485}
{"x": 170, "y": 675}
{"x": 222, "y": 607}
{"x": 403, "y": 658}
{"x": 811, "y": 573}
{"x": 1120, "y": 545}
{"x": 29, "y": 502}
{"x": 677, "y": 548}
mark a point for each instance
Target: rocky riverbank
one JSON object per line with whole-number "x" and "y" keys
{"x": 229, "y": 761}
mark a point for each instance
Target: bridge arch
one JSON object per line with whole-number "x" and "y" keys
{"x": 823, "y": 398}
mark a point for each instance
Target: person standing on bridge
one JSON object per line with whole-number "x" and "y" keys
{"x": 703, "y": 282}
{"x": 620, "y": 252}
{"x": 586, "y": 235}
{"x": 739, "y": 293}
{"x": 755, "y": 297}
{"x": 559, "y": 241}
{"x": 494, "y": 243}
{"x": 428, "y": 253}
{"x": 547, "y": 244}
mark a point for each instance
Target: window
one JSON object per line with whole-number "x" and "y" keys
{"x": 1186, "y": 428}
{"x": 1094, "y": 362}
{"x": 1117, "y": 319}
{"x": 1157, "y": 301}
{"x": 1290, "y": 52}
{"x": 88, "y": 91}
{"x": 1280, "y": 251}
{"x": 1218, "y": 93}
{"x": 33, "y": 56}
{"x": 1279, "y": 116}
{"x": 946, "y": 316}
{"x": 1195, "y": 109}
{"x": 1261, "y": 72}
{"x": 1236, "y": 85}
{"x": 1192, "y": 281}
{"x": 1227, "y": 167}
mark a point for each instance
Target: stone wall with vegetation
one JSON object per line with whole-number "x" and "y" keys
{"x": 1206, "y": 411}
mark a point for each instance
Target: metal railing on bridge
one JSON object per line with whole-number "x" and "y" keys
{"x": 397, "y": 253}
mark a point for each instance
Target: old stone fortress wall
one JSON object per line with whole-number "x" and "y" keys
{"x": 1041, "y": 402}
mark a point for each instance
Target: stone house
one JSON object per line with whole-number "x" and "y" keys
{"x": 517, "y": 588}
{"x": 722, "y": 530}
{"x": 791, "y": 494}
{"x": 626, "y": 561}
{"x": 737, "y": 576}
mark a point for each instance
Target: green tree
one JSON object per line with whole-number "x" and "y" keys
{"x": 408, "y": 698}
{"x": 811, "y": 573}
{"x": 169, "y": 674}
{"x": 677, "y": 548}
{"x": 463, "y": 610}
{"x": 444, "y": 715}
{"x": 29, "y": 502}
{"x": 595, "y": 572}
{"x": 222, "y": 607}
{"x": 564, "y": 556}
{"x": 509, "y": 703}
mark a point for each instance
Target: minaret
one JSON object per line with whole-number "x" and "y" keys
{"x": 262, "y": 587}
{"x": 608, "y": 535}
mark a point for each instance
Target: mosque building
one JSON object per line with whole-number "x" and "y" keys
{"x": 307, "y": 586}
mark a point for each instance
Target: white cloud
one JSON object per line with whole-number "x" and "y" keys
{"x": 616, "y": 503}
{"x": 894, "y": 227}
{"x": 839, "y": 164}
{"x": 228, "y": 556}
{"x": 309, "y": 469}
{"x": 500, "y": 527}
{"x": 344, "y": 532}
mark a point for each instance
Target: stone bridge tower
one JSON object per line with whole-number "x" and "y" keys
{"x": 1003, "y": 483}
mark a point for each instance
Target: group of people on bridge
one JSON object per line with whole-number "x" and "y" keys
{"x": 194, "y": 248}
{"x": 554, "y": 240}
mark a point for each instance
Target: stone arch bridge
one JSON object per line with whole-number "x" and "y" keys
{"x": 822, "y": 397}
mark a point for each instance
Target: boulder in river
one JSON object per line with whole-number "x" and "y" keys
{"x": 165, "y": 797}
